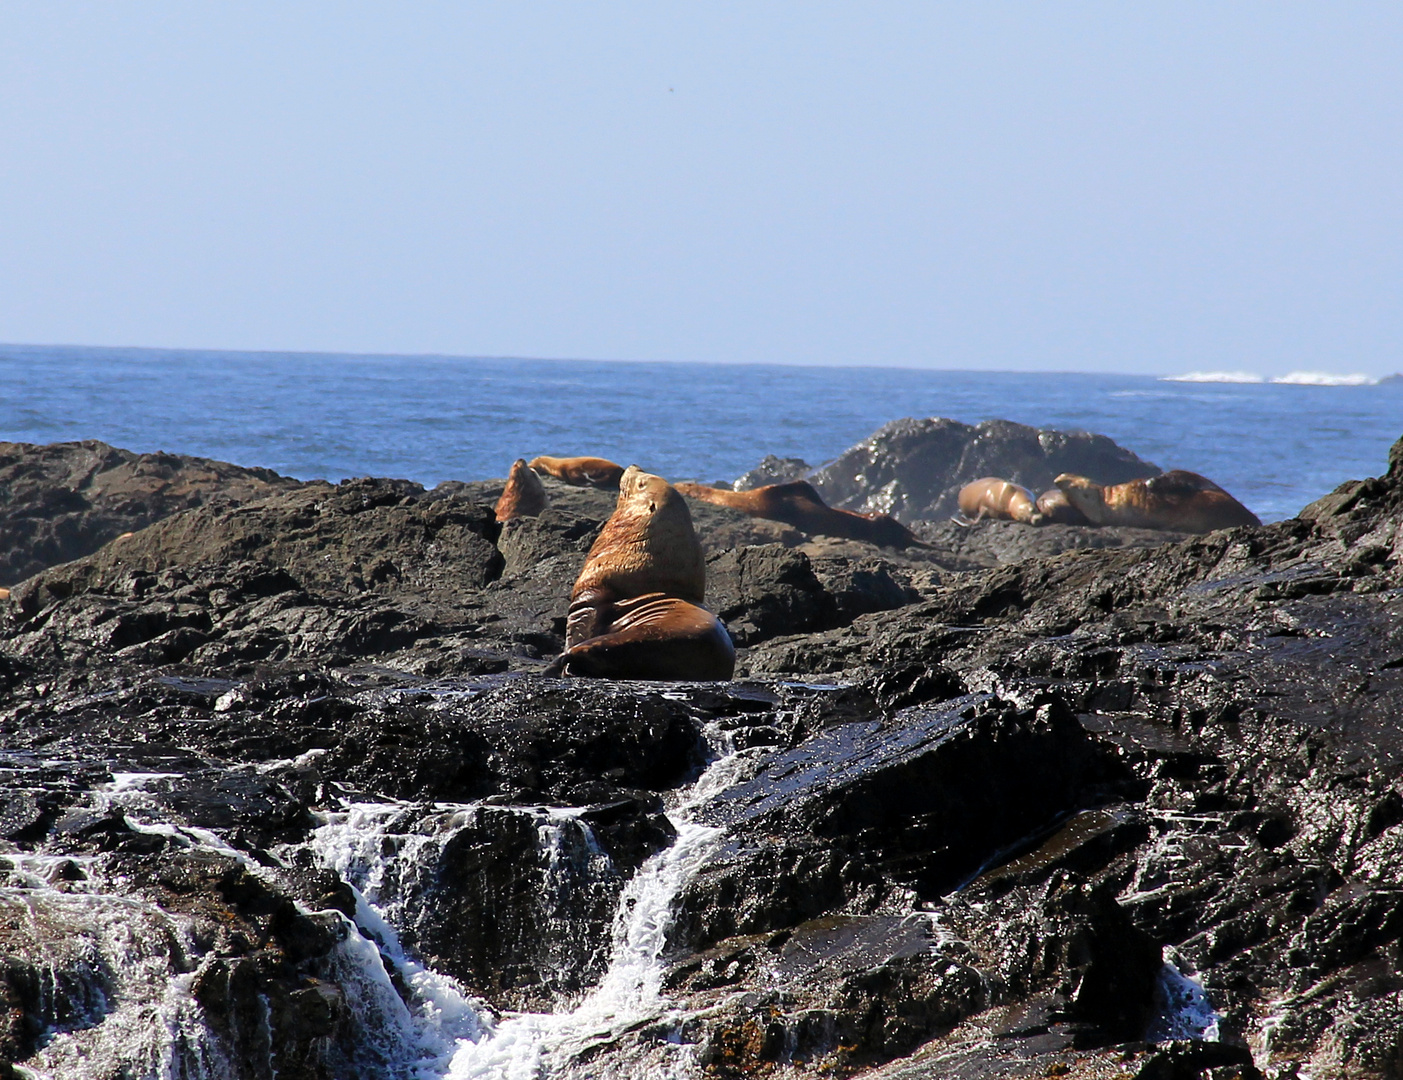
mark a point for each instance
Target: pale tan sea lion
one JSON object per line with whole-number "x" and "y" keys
{"x": 994, "y": 497}
{"x": 1056, "y": 510}
{"x": 524, "y": 495}
{"x": 580, "y": 471}
{"x": 1178, "y": 500}
{"x": 798, "y": 504}
{"x": 635, "y": 609}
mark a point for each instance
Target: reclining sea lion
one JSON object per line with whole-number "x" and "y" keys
{"x": 524, "y": 495}
{"x": 994, "y": 497}
{"x": 798, "y": 504}
{"x": 635, "y": 609}
{"x": 580, "y": 471}
{"x": 1178, "y": 500}
{"x": 1056, "y": 510}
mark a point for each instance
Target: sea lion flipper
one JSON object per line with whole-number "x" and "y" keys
{"x": 656, "y": 637}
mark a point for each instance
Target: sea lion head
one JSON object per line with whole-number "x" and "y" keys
{"x": 647, "y": 545}
{"x": 1054, "y": 508}
{"x": 1086, "y": 495}
{"x": 524, "y": 495}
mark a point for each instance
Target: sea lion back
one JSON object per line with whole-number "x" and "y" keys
{"x": 580, "y": 471}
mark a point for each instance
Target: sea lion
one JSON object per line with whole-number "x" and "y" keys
{"x": 524, "y": 495}
{"x": 993, "y": 497}
{"x": 1056, "y": 510}
{"x": 635, "y": 609}
{"x": 798, "y": 504}
{"x": 1179, "y": 501}
{"x": 653, "y": 636}
{"x": 580, "y": 471}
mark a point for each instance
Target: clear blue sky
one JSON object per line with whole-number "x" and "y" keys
{"x": 1062, "y": 186}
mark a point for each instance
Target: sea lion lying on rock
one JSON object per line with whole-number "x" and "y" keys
{"x": 1179, "y": 501}
{"x": 524, "y": 495}
{"x": 1056, "y": 510}
{"x": 635, "y": 609}
{"x": 580, "y": 471}
{"x": 994, "y": 497}
{"x": 798, "y": 504}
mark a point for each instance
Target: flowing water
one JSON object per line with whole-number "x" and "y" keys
{"x": 121, "y": 969}
{"x": 446, "y": 1033}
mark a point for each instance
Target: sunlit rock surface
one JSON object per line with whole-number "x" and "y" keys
{"x": 285, "y": 793}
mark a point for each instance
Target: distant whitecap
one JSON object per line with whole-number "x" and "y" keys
{"x": 1325, "y": 378}
{"x": 1215, "y": 377}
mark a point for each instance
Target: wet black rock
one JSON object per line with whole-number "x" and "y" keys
{"x": 767, "y": 590}
{"x": 990, "y": 543}
{"x": 980, "y": 822}
{"x": 918, "y": 802}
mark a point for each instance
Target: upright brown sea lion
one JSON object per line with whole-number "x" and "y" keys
{"x": 635, "y": 609}
{"x": 1056, "y": 510}
{"x": 1178, "y": 500}
{"x": 797, "y": 503}
{"x": 524, "y": 495}
{"x": 581, "y": 471}
{"x": 993, "y": 497}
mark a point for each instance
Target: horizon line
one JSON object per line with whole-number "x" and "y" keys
{"x": 375, "y": 355}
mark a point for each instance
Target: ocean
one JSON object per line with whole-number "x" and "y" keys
{"x": 1276, "y": 446}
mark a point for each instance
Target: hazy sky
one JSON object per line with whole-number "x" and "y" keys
{"x": 1074, "y": 186}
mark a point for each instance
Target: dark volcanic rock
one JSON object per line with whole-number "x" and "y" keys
{"x": 65, "y": 500}
{"x": 352, "y": 537}
{"x": 773, "y": 470}
{"x": 980, "y": 824}
{"x": 914, "y": 469}
{"x": 918, "y": 802}
{"x": 995, "y": 543}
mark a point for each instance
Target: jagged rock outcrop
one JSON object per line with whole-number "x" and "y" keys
{"x": 261, "y": 800}
{"x": 773, "y": 470}
{"x": 913, "y": 469}
{"x": 65, "y": 500}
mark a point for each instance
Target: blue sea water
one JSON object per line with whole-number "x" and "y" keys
{"x": 425, "y": 418}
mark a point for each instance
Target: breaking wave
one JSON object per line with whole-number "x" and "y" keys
{"x": 1325, "y": 378}
{"x": 1215, "y": 377}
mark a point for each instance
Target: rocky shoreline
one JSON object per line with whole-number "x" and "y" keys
{"x": 286, "y": 790}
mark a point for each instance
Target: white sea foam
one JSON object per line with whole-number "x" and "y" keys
{"x": 1182, "y": 1009}
{"x": 1325, "y": 378}
{"x": 526, "y": 1045}
{"x": 108, "y": 979}
{"x": 1215, "y": 377}
{"x": 444, "y": 1032}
